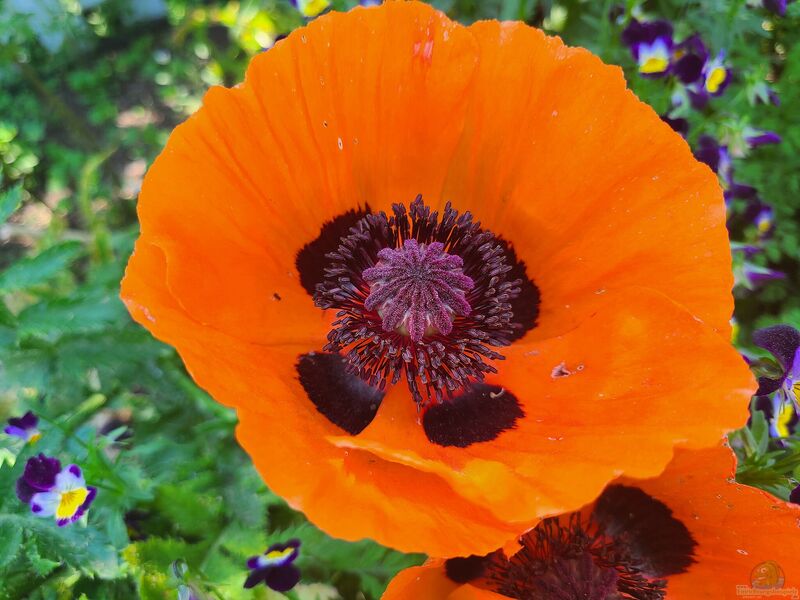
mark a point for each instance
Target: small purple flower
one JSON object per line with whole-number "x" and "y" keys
{"x": 752, "y": 276}
{"x": 186, "y": 593}
{"x": 274, "y": 568}
{"x": 24, "y": 427}
{"x": 777, "y": 6}
{"x": 755, "y": 137}
{"x": 55, "y": 492}
{"x": 762, "y": 93}
{"x": 747, "y": 250}
{"x": 651, "y": 46}
{"x": 716, "y": 156}
{"x": 780, "y": 414}
{"x": 710, "y": 152}
{"x": 370, "y": 2}
{"x": 794, "y": 495}
{"x": 690, "y": 57}
{"x": 678, "y": 124}
{"x": 764, "y": 221}
{"x": 778, "y": 396}
{"x": 716, "y": 75}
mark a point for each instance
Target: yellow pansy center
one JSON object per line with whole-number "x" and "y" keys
{"x": 70, "y": 501}
{"x": 654, "y": 64}
{"x": 311, "y": 8}
{"x": 276, "y": 555}
{"x": 715, "y": 79}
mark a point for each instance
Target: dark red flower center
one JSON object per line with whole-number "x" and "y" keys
{"x": 627, "y": 548}
{"x": 418, "y": 289}
{"x": 422, "y": 297}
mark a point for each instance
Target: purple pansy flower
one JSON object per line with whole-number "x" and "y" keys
{"x": 756, "y": 137}
{"x": 777, "y": 6}
{"x": 369, "y": 2}
{"x": 274, "y": 568}
{"x": 678, "y": 124}
{"x": 752, "y": 276}
{"x": 794, "y": 495}
{"x": 778, "y": 396}
{"x": 716, "y": 75}
{"x": 748, "y": 250}
{"x": 24, "y": 427}
{"x": 716, "y": 156}
{"x": 690, "y": 57}
{"x": 651, "y": 46}
{"x": 764, "y": 221}
{"x": 781, "y": 415}
{"x": 55, "y": 492}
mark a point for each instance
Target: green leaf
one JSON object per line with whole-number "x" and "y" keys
{"x": 10, "y": 541}
{"x": 77, "y": 314}
{"x": 40, "y": 565}
{"x": 9, "y": 202}
{"x": 322, "y": 556}
{"x": 7, "y": 318}
{"x": 190, "y": 511}
{"x": 40, "y": 268}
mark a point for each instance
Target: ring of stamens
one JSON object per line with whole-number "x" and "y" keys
{"x": 419, "y": 296}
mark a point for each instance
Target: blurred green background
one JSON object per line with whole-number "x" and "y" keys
{"x": 89, "y": 91}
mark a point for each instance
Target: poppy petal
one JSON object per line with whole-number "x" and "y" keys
{"x": 743, "y": 535}
{"x": 243, "y": 205}
{"x": 737, "y": 527}
{"x": 376, "y": 106}
{"x": 639, "y": 380}
{"x": 596, "y": 208}
{"x": 429, "y": 582}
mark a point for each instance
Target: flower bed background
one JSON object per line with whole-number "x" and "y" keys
{"x": 88, "y": 94}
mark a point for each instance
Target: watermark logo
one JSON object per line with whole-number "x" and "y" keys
{"x": 766, "y": 581}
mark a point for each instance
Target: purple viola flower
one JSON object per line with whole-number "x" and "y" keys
{"x": 762, "y": 93}
{"x": 752, "y": 276}
{"x": 369, "y": 2}
{"x": 678, "y": 124}
{"x": 780, "y": 414}
{"x": 716, "y": 156}
{"x": 747, "y": 250}
{"x": 716, "y": 75}
{"x": 755, "y": 137}
{"x": 274, "y": 568}
{"x": 55, "y": 492}
{"x": 778, "y": 397}
{"x": 651, "y": 45}
{"x": 710, "y": 152}
{"x": 39, "y": 476}
{"x": 764, "y": 221}
{"x": 777, "y": 6}
{"x": 689, "y": 58}
{"x": 783, "y": 342}
{"x": 24, "y": 427}
{"x": 794, "y": 495}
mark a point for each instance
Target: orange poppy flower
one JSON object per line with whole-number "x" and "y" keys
{"x": 441, "y": 377}
{"x": 692, "y": 533}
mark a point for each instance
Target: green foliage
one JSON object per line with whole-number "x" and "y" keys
{"x": 179, "y": 505}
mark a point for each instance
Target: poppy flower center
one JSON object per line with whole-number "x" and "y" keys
{"x": 424, "y": 297}
{"x": 418, "y": 289}
{"x": 627, "y": 548}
